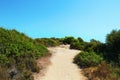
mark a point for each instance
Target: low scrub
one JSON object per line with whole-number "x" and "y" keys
{"x": 77, "y": 45}
{"x": 68, "y": 40}
{"x": 103, "y": 71}
{"x": 87, "y": 59}
{"x": 48, "y": 42}
{"x": 18, "y": 54}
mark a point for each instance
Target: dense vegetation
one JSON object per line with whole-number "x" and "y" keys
{"x": 18, "y": 54}
{"x": 113, "y": 46}
{"x": 87, "y": 59}
{"x": 73, "y": 42}
{"x": 48, "y": 42}
{"x": 101, "y": 60}
{"x": 93, "y": 53}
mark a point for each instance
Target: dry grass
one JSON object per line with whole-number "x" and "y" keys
{"x": 3, "y": 74}
{"x": 101, "y": 72}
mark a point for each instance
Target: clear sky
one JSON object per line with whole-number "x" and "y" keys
{"x": 58, "y": 18}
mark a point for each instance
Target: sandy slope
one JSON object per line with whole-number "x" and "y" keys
{"x": 62, "y": 67}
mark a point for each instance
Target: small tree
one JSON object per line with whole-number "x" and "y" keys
{"x": 113, "y": 45}
{"x": 68, "y": 40}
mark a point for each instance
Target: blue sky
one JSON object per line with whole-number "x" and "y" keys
{"x": 59, "y": 18}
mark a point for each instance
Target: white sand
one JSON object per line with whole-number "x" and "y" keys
{"x": 62, "y": 66}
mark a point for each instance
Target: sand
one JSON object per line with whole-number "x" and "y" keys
{"x": 62, "y": 66}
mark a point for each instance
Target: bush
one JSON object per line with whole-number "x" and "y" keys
{"x": 18, "y": 53}
{"x": 103, "y": 71}
{"x": 87, "y": 59}
{"x": 68, "y": 40}
{"x": 113, "y": 45}
{"x": 80, "y": 39}
{"x": 48, "y": 42}
{"x": 113, "y": 40}
{"x": 77, "y": 45}
{"x": 92, "y": 45}
{"x": 74, "y": 43}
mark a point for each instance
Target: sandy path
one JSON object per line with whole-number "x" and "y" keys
{"x": 62, "y": 67}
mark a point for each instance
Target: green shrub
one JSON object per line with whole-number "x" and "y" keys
{"x": 77, "y": 45}
{"x": 68, "y": 40}
{"x": 80, "y": 39}
{"x": 87, "y": 59}
{"x": 113, "y": 40}
{"x": 48, "y": 42}
{"x": 93, "y": 45}
{"x": 74, "y": 43}
{"x": 113, "y": 45}
{"x": 18, "y": 52}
